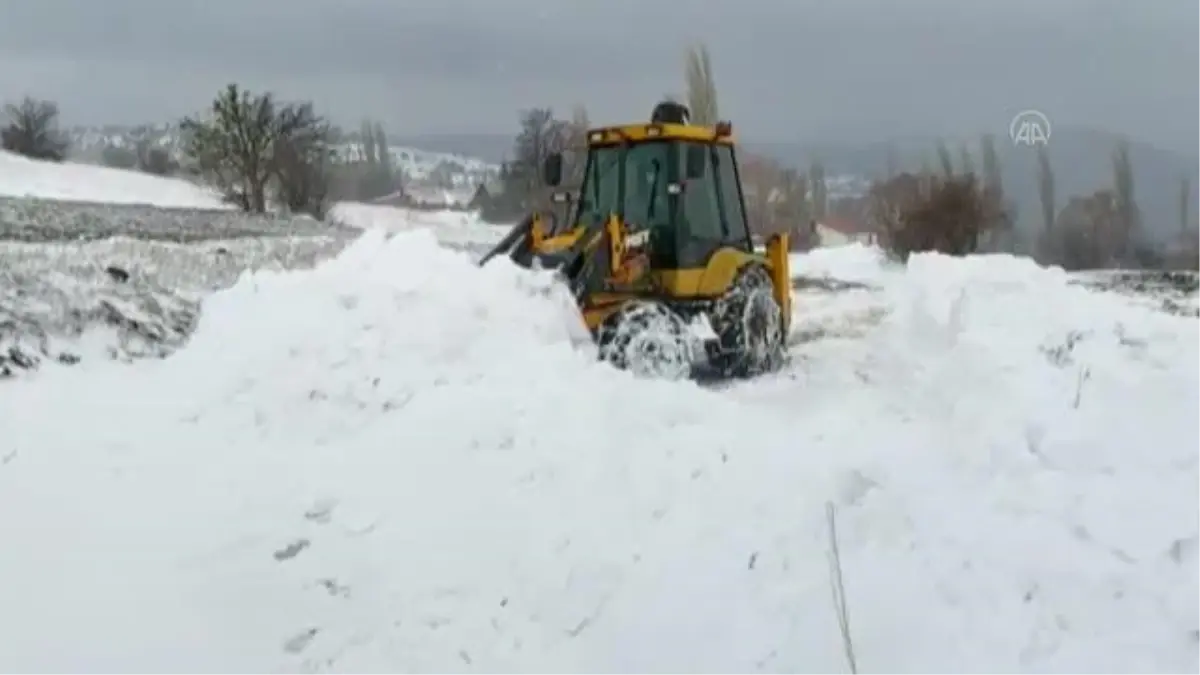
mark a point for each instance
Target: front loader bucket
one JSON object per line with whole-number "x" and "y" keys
{"x": 517, "y": 238}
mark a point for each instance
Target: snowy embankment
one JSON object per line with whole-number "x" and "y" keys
{"x": 119, "y": 268}
{"x": 363, "y": 468}
{"x": 124, "y": 298}
{"x": 124, "y": 281}
{"x": 67, "y": 181}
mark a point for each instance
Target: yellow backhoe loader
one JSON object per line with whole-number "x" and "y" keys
{"x": 658, "y": 255}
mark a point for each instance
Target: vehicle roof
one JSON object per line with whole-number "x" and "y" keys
{"x": 637, "y": 133}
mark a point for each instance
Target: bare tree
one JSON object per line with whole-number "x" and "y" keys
{"x": 1086, "y": 233}
{"x": 541, "y": 135}
{"x": 368, "y": 144}
{"x": 383, "y": 151}
{"x": 891, "y": 161}
{"x": 819, "y": 200}
{"x": 1126, "y": 202}
{"x": 1185, "y": 204}
{"x": 1186, "y": 254}
{"x": 943, "y": 155}
{"x": 301, "y": 159}
{"x": 232, "y": 148}
{"x": 991, "y": 164}
{"x": 794, "y": 211}
{"x": 1045, "y": 177}
{"x": 249, "y": 143}
{"x": 152, "y": 158}
{"x": 933, "y": 212}
{"x": 777, "y": 200}
{"x": 1002, "y": 237}
{"x": 701, "y": 87}
{"x": 32, "y": 130}
{"x": 370, "y": 173}
{"x": 966, "y": 159}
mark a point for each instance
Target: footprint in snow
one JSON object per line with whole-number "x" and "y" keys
{"x": 297, "y": 643}
{"x": 292, "y": 550}
{"x": 321, "y": 512}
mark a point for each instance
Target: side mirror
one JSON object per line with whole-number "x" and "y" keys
{"x": 695, "y": 161}
{"x": 552, "y": 169}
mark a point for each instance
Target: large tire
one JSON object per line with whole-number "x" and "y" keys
{"x": 647, "y": 339}
{"x": 749, "y": 326}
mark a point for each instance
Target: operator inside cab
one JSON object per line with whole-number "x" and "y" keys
{"x": 649, "y": 189}
{"x": 646, "y": 176}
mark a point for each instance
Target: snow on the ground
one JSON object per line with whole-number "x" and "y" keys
{"x": 835, "y": 292}
{"x": 23, "y": 177}
{"x": 123, "y": 297}
{"x": 197, "y": 266}
{"x": 450, "y": 227}
{"x": 401, "y": 462}
{"x": 1171, "y": 291}
{"x": 850, "y": 263}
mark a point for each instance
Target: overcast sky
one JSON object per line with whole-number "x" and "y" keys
{"x": 785, "y": 69}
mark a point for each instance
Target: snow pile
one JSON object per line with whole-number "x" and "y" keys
{"x": 452, "y": 228}
{"x": 853, "y": 263}
{"x": 401, "y": 462}
{"x": 23, "y": 177}
{"x": 68, "y": 299}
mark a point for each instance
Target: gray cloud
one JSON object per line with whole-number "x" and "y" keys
{"x": 786, "y": 69}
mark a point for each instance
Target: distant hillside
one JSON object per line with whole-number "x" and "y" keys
{"x": 457, "y": 172}
{"x": 1082, "y": 160}
{"x": 492, "y": 148}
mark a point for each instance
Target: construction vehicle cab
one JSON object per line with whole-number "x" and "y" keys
{"x": 657, "y": 251}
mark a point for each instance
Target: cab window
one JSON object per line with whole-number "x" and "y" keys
{"x": 701, "y": 213}
{"x": 645, "y": 188}
{"x": 600, "y": 190}
{"x": 646, "y": 185}
{"x": 731, "y": 197}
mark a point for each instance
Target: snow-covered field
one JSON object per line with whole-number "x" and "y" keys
{"x": 355, "y": 468}
{"x": 21, "y": 177}
{"x": 1173, "y": 292}
{"x": 60, "y": 300}
{"x": 397, "y": 461}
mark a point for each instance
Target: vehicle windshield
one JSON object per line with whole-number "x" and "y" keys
{"x": 645, "y": 190}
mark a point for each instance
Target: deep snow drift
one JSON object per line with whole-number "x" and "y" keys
{"x": 400, "y": 462}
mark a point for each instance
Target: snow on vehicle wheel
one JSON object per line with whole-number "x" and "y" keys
{"x": 749, "y": 325}
{"x": 648, "y": 340}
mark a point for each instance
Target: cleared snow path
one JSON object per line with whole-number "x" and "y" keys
{"x": 399, "y": 462}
